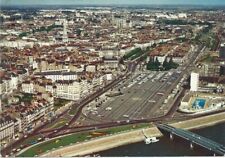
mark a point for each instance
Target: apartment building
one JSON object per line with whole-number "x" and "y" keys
{"x": 7, "y": 127}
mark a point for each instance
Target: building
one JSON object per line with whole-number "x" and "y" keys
{"x": 70, "y": 89}
{"x": 33, "y": 114}
{"x": 28, "y": 87}
{"x": 194, "y": 81}
{"x": 58, "y": 75}
{"x": 211, "y": 69}
{"x": 65, "y": 36}
{"x": 6, "y": 127}
{"x": 222, "y": 51}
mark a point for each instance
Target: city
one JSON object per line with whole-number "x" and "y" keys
{"x": 85, "y": 74}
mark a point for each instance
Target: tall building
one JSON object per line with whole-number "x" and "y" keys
{"x": 194, "y": 81}
{"x": 65, "y": 36}
{"x": 222, "y": 51}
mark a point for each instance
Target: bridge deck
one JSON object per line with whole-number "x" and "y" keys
{"x": 194, "y": 138}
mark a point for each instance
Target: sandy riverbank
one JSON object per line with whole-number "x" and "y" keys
{"x": 116, "y": 140}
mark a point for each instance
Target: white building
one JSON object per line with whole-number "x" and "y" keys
{"x": 14, "y": 81}
{"x": 32, "y": 116}
{"x": 194, "y": 81}
{"x": 6, "y": 127}
{"x": 28, "y": 87}
{"x": 65, "y": 36}
{"x": 69, "y": 89}
{"x": 91, "y": 68}
{"x": 58, "y": 75}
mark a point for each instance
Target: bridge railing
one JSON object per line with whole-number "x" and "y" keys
{"x": 194, "y": 138}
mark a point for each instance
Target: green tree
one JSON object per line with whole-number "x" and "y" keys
{"x": 78, "y": 32}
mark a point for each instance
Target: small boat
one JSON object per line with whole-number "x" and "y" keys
{"x": 151, "y": 140}
{"x": 96, "y": 155}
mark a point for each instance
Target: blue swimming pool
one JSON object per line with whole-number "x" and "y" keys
{"x": 199, "y": 103}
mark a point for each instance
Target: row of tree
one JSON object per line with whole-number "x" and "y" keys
{"x": 133, "y": 54}
{"x": 155, "y": 65}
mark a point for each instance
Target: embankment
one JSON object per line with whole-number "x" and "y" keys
{"x": 108, "y": 142}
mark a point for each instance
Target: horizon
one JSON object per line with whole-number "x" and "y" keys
{"x": 112, "y": 2}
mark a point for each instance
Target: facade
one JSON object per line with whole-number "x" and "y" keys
{"x": 28, "y": 87}
{"x": 33, "y": 115}
{"x": 71, "y": 90}
{"x": 58, "y": 75}
{"x": 194, "y": 81}
{"x": 6, "y": 127}
{"x": 211, "y": 69}
{"x": 111, "y": 63}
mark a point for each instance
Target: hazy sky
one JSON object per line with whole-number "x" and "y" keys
{"x": 105, "y": 2}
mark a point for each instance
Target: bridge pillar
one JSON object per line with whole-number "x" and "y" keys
{"x": 191, "y": 146}
{"x": 171, "y": 136}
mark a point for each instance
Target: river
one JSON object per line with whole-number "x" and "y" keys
{"x": 167, "y": 148}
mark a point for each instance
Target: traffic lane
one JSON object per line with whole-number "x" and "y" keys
{"x": 144, "y": 95}
{"x": 165, "y": 88}
{"x": 167, "y": 92}
{"x": 126, "y": 104}
{"x": 144, "y": 104}
{"x": 140, "y": 95}
{"x": 145, "y": 109}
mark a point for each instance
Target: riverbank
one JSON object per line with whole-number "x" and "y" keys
{"x": 108, "y": 142}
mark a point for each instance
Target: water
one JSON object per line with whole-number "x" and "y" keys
{"x": 199, "y": 104}
{"x": 167, "y": 148}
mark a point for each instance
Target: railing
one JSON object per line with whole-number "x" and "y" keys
{"x": 194, "y": 138}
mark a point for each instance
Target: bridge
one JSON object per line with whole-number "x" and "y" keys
{"x": 194, "y": 139}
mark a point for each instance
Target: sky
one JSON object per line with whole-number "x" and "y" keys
{"x": 107, "y": 2}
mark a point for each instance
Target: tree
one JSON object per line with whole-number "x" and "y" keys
{"x": 157, "y": 63}
{"x": 153, "y": 65}
{"x": 165, "y": 64}
{"x": 78, "y": 32}
{"x": 97, "y": 35}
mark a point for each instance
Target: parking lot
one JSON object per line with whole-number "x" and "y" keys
{"x": 142, "y": 97}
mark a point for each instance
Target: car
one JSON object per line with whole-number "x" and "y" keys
{"x": 25, "y": 136}
{"x": 126, "y": 116}
{"x": 18, "y": 149}
{"x": 46, "y": 138}
{"x": 39, "y": 139}
{"x": 108, "y": 108}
